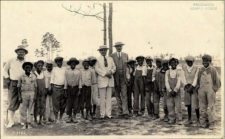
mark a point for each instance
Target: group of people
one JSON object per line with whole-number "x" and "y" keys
{"x": 44, "y": 95}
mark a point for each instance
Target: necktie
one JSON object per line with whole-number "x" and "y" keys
{"x": 105, "y": 62}
{"x": 119, "y": 55}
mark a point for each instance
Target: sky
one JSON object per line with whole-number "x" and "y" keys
{"x": 181, "y": 28}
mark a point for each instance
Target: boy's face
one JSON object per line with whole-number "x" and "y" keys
{"x": 49, "y": 67}
{"x": 165, "y": 65}
{"x": 173, "y": 64}
{"x": 189, "y": 63}
{"x": 149, "y": 62}
{"x": 59, "y": 63}
{"x": 132, "y": 64}
{"x": 92, "y": 62}
{"x": 140, "y": 62}
{"x": 28, "y": 69}
{"x": 86, "y": 65}
{"x": 205, "y": 63}
{"x": 39, "y": 66}
{"x": 158, "y": 64}
{"x": 73, "y": 65}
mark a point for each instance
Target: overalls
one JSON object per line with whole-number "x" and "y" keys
{"x": 130, "y": 90}
{"x": 206, "y": 97}
{"x": 174, "y": 102}
{"x": 139, "y": 89}
{"x": 149, "y": 86}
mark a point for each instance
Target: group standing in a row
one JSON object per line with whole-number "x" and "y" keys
{"x": 44, "y": 95}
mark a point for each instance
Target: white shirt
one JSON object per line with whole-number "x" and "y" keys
{"x": 119, "y": 54}
{"x": 13, "y": 69}
{"x": 47, "y": 76}
{"x": 173, "y": 74}
{"x": 143, "y": 68}
{"x": 58, "y": 76}
{"x": 39, "y": 76}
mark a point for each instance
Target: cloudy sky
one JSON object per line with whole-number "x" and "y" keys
{"x": 181, "y": 28}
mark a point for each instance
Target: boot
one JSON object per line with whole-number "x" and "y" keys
{"x": 189, "y": 121}
{"x": 89, "y": 117}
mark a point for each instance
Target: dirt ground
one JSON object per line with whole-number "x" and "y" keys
{"x": 133, "y": 126}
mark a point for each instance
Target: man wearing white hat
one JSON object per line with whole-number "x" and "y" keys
{"x": 105, "y": 69}
{"x": 120, "y": 60}
{"x": 12, "y": 72}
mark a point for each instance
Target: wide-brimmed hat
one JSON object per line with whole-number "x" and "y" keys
{"x": 58, "y": 58}
{"x": 165, "y": 61}
{"x": 189, "y": 58}
{"x": 49, "y": 62}
{"x": 173, "y": 59}
{"x": 148, "y": 58}
{"x": 27, "y": 64}
{"x": 85, "y": 60}
{"x": 21, "y": 47}
{"x": 207, "y": 57}
{"x": 140, "y": 57}
{"x": 73, "y": 59}
{"x": 102, "y": 47}
{"x": 91, "y": 58}
{"x": 40, "y": 61}
{"x": 118, "y": 44}
{"x": 158, "y": 59}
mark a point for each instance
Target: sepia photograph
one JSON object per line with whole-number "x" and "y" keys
{"x": 112, "y": 69}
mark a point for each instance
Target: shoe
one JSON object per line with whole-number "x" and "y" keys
{"x": 24, "y": 127}
{"x": 188, "y": 122}
{"x": 135, "y": 115}
{"x": 204, "y": 125}
{"x": 179, "y": 122}
{"x": 166, "y": 119}
{"x": 29, "y": 126}
{"x": 9, "y": 125}
{"x": 126, "y": 116}
{"x": 171, "y": 122}
{"x": 211, "y": 126}
{"x": 198, "y": 123}
{"x": 155, "y": 117}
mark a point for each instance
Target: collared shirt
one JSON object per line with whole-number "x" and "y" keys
{"x": 47, "y": 76}
{"x": 72, "y": 78}
{"x": 119, "y": 54}
{"x": 143, "y": 68}
{"x": 189, "y": 70}
{"x": 39, "y": 76}
{"x": 172, "y": 74}
{"x": 27, "y": 83}
{"x": 58, "y": 76}
{"x": 13, "y": 69}
{"x": 87, "y": 77}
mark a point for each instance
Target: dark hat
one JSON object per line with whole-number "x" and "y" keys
{"x": 149, "y": 58}
{"x": 158, "y": 60}
{"x": 49, "y": 62}
{"x": 40, "y": 61}
{"x": 131, "y": 61}
{"x": 58, "y": 59}
{"x": 85, "y": 60}
{"x": 91, "y": 58}
{"x": 140, "y": 57}
{"x": 118, "y": 44}
{"x": 173, "y": 59}
{"x": 207, "y": 57}
{"x": 27, "y": 64}
{"x": 164, "y": 61}
{"x": 21, "y": 47}
{"x": 189, "y": 58}
{"x": 73, "y": 59}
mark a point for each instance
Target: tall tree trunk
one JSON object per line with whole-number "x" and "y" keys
{"x": 110, "y": 28}
{"x": 104, "y": 23}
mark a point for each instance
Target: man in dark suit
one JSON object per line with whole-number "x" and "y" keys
{"x": 120, "y": 60}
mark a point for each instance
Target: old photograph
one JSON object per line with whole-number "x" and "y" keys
{"x": 115, "y": 69}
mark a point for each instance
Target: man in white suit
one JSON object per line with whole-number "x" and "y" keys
{"x": 105, "y": 68}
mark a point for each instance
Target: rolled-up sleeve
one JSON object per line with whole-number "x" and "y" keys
{"x": 6, "y": 70}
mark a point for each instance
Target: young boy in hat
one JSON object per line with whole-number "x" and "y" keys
{"x": 72, "y": 85}
{"x": 190, "y": 81}
{"x": 57, "y": 85}
{"x": 88, "y": 79}
{"x": 130, "y": 85}
{"x": 94, "y": 87}
{"x": 149, "y": 86}
{"x": 208, "y": 84}
{"x": 39, "y": 105}
{"x": 173, "y": 82}
{"x": 139, "y": 87}
{"x": 49, "y": 114}
{"x": 27, "y": 87}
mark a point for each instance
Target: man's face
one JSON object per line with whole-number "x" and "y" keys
{"x": 119, "y": 48}
{"x": 39, "y": 66}
{"x": 149, "y": 62}
{"x": 92, "y": 62}
{"x": 49, "y": 67}
{"x": 140, "y": 62}
{"x": 205, "y": 63}
{"x": 86, "y": 65}
{"x": 173, "y": 64}
{"x": 73, "y": 65}
{"x": 189, "y": 63}
{"x": 27, "y": 69}
{"x": 21, "y": 53}
{"x": 103, "y": 52}
{"x": 59, "y": 63}
{"x": 158, "y": 63}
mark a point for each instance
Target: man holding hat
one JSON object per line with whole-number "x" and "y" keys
{"x": 120, "y": 60}
{"x": 57, "y": 85}
{"x": 12, "y": 72}
{"x": 105, "y": 69}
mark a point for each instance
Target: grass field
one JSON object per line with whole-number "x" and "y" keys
{"x": 132, "y": 126}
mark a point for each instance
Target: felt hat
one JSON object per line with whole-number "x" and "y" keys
{"x": 102, "y": 47}
{"x": 140, "y": 57}
{"x": 49, "y": 62}
{"x": 73, "y": 59}
{"x": 58, "y": 58}
{"x": 148, "y": 58}
{"x": 21, "y": 47}
{"x": 91, "y": 58}
{"x": 118, "y": 44}
{"x": 158, "y": 60}
{"x": 85, "y": 60}
{"x": 40, "y": 61}
{"x": 164, "y": 61}
{"x": 189, "y": 58}
{"x": 173, "y": 59}
{"x": 27, "y": 64}
{"x": 207, "y": 57}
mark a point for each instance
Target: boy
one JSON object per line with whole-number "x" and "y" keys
{"x": 208, "y": 84}
{"x": 72, "y": 85}
{"x": 130, "y": 85}
{"x": 88, "y": 79}
{"x": 27, "y": 87}
{"x": 57, "y": 86}
{"x": 94, "y": 87}
{"x": 149, "y": 86}
{"x": 173, "y": 82}
{"x": 139, "y": 87}
{"x": 49, "y": 115}
{"x": 190, "y": 81}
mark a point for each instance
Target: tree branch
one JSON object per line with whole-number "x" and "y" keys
{"x": 79, "y": 12}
